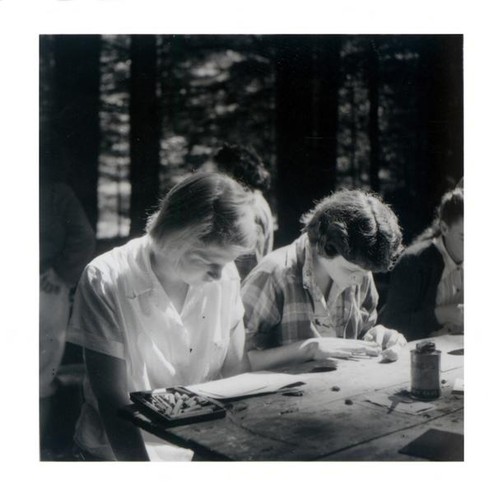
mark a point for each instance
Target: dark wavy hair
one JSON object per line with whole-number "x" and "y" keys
{"x": 357, "y": 225}
{"x": 449, "y": 211}
{"x": 244, "y": 165}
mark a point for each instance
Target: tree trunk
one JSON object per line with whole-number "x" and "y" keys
{"x": 442, "y": 113}
{"x": 144, "y": 131}
{"x": 307, "y": 77}
{"x": 76, "y": 115}
{"x": 373, "y": 92}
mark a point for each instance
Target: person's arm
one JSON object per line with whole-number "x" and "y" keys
{"x": 50, "y": 282}
{"x": 266, "y": 359}
{"x": 236, "y": 360}
{"x": 451, "y": 316}
{"x": 262, "y": 299}
{"x": 318, "y": 348}
{"x": 367, "y": 313}
{"x": 95, "y": 327}
{"x": 107, "y": 376}
{"x": 80, "y": 241}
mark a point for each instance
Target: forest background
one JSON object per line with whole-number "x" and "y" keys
{"x": 124, "y": 117}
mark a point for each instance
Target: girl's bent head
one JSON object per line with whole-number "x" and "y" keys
{"x": 205, "y": 209}
{"x": 357, "y": 226}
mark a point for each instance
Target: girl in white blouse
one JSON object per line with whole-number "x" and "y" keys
{"x": 162, "y": 310}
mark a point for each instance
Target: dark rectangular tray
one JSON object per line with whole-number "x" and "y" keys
{"x": 149, "y": 403}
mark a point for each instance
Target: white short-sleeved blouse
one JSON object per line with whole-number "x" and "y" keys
{"x": 122, "y": 310}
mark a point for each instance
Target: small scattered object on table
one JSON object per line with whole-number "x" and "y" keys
{"x": 322, "y": 369}
{"x": 293, "y": 393}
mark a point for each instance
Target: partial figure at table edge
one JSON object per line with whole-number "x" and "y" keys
{"x": 425, "y": 296}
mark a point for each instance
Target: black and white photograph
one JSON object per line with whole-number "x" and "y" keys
{"x": 249, "y": 248}
{"x": 242, "y": 237}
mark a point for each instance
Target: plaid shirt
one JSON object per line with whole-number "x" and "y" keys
{"x": 280, "y": 298}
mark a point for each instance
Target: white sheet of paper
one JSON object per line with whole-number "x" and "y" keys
{"x": 246, "y": 384}
{"x": 458, "y": 387}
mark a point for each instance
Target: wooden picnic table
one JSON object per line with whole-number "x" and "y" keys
{"x": 350, "y": 414}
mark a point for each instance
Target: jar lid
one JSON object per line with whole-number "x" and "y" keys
{"x": 425, "y": 346}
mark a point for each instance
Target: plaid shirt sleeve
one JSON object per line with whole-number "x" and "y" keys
{"x": 368, "y": 307}
{"x": 262, "y": 298}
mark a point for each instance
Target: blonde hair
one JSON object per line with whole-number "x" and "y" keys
{"x": 204, "y": 209}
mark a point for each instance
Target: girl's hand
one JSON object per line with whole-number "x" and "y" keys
{"x": 390, "y": 341}
{"x": 50, "y": 282}
{"x": 451, "y": 315}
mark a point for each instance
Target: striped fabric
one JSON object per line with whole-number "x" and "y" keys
{"x": 280, "y": 299}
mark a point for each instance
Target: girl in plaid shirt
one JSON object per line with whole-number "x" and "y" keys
{"x": 303, "y": 299}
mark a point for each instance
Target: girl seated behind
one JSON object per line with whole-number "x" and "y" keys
{"x": 245, "y": 166}
{"x": 162, "y": 310}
